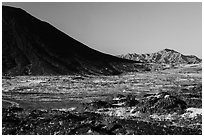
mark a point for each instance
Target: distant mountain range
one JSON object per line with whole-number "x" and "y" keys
{"x": 34, "y": 47}
{"x": 166, "y": 56}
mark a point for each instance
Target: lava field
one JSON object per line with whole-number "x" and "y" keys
{"x": 167, "y": 102}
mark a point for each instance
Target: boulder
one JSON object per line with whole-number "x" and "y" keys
{"x": 163, "y": 102}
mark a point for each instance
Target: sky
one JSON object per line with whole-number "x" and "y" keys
{"x": 121, "y": 28}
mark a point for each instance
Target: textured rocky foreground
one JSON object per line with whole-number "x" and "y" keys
{"x": 52, "y": 122}
{"x": 163, "y": 102}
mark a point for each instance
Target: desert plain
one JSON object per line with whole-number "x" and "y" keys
{"x": 146, "y": 103}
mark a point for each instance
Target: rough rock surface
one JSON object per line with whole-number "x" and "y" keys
{"x": 163, "y": 102}
{"x": 57, "y": 122}
{"x": 166, "y": 56}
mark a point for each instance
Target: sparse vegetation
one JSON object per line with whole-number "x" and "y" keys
{"x": 163, "y": 102}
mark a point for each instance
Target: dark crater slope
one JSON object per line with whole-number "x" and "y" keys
{"x": 34, "y": 47}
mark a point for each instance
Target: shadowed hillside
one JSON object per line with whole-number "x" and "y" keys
{"x": 34, "y": 47}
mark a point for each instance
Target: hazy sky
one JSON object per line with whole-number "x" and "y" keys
{"x": 120, "y": 28}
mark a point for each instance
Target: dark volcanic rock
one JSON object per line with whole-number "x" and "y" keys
{"x": 131, "y": 101}
{"x": 100, "y": 104}
{"x": 118, "y": 101}
{"x": 34, "y": 47}
{"x": 49, "y": 122}
{"x": 163, "y": 103}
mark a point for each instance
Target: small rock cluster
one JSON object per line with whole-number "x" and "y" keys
{"x": 162, "y": 102}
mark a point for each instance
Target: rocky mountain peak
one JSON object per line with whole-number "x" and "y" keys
{"x": 166, "y": 56}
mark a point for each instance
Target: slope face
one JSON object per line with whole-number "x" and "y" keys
{"x": 166, "y": 56}
{"x": 34, "y": 47}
